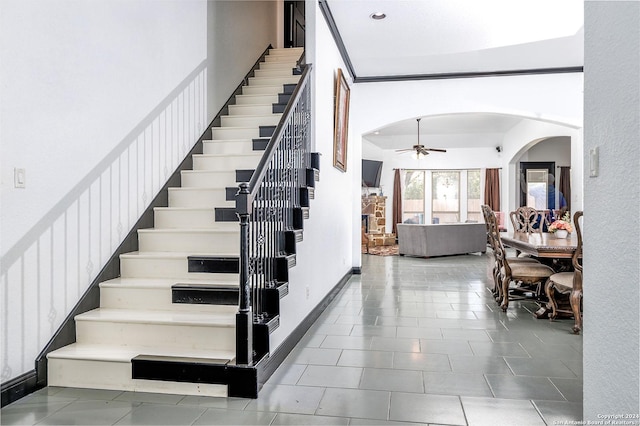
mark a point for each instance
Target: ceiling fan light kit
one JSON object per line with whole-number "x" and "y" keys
{"x": 419, "y": 150}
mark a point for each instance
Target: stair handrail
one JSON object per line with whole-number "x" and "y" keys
{"x": 261, "y": 168}
{"x": 271, "y": 220}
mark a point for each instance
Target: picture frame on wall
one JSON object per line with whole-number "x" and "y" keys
{"x": 341, "y": 122}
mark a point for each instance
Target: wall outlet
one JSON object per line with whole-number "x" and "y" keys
{"x": 307, "y": 292}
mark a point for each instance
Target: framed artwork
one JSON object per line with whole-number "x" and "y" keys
{"x": 341, "y": 123}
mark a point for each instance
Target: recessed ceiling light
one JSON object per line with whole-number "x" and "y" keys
{"x": 376, "y": 132}
{"x": 378, "y": 16}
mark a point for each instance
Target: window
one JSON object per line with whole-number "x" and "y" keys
{"x": 413, "y": 197}
{"x": 445, "y": 196}
{"x": 537, "y": 188}
{"x": 473, "y": 195}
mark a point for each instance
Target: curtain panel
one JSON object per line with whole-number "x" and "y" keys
{"x": 492, "y": 189}
{"x": 397, "y": 201}
{"x": 565, "y": 184}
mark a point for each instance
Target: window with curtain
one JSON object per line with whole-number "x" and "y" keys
{"x": 473, "y": 195}
{"x": 413, "y": 197}
{"x": 445, "y": 196}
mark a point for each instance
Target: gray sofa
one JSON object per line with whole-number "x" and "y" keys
{"x": 441, "y": 239}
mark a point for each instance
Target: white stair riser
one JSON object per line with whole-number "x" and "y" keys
{"x": 251, "y": 109}
{"x": 284, "y": 51}
{"x": 207, "y": 179}
{"x": 235, "y": 147}
{"x": 189, "y": 241}
{"x": 90, "y": 374}
{"x": 290, "y": 60}
{"x": 273, "y": 89}
{"x": 153, "y": 298}
{"x": 227, "y": 162}
{"x": 198, "y": 197}
{"x": 250, "y": 120}
{"x": 201, "y": 218}
{"x": 137, "y": 267}
{"x": 278, "y": 72}
{"x": 235, "y": 132}
{"x": 287, "y": 65}
{"x": 269, "y": 81}
{"x": 167, "y": 218}
{"x": 155, "y": 335}
{"x": 253, "y": 98}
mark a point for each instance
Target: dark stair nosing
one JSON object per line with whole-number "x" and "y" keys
{"x": 296, "y": 71}
{"x": 306, "y": 195}
{"x": 214, "y": 264}
{"x": 226, "y": 214}
{"x": 230, "y": 193}
{"x": 278, "y": 108}
{"x": 312, "y": 176}
{"x": 283, "y": 98}
{"x": 261, "y": 332}
{"x": 271, "y": 298}
{"x": 267, "y": 131}
{"x": 299, "y": 215}
{"x": 291, "y": 238}
{"x": 260, "y": 144}
{"x": 281, "y": 266}
{"x": 244, "y": 175}
{"x": 205, "y": 294}
{"x": 315, "y": 160}
{"x": 289, "y": 88}
{"x": 242, "y": 381}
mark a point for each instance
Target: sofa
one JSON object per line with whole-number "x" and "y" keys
{"x": 441, "y": 239}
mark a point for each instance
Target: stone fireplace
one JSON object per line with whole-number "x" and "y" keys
{"x": 374, "y": 221}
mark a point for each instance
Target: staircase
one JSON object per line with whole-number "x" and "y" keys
{"x": 168, "y": 323}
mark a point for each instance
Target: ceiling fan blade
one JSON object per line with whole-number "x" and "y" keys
{"x": 404, "y": 150}
{"x": 422, "y": 151}
{"x": 436, "y": 149}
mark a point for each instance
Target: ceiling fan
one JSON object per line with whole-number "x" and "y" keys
{"x": 419, "y": 150}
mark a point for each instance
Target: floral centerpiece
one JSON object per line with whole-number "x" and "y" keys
{"x": 562, "y": 227}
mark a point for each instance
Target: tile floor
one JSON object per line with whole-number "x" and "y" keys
{"x": 410, "y": 341}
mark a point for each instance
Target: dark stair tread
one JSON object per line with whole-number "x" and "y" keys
{"x": 194, "y": 360}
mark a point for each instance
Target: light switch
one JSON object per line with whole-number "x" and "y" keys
{"x": 19, "y": 178}
{"x": 593, "y": 162}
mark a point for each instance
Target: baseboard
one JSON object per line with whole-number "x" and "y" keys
{"x": 356, "y": 270}
{"x": 18, "y": 387}
{"x": 269, "y": 365}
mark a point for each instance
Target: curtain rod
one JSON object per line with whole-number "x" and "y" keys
{"x": 453, "y": 170}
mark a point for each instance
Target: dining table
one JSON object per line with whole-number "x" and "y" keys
{"x": 543, "y": 245}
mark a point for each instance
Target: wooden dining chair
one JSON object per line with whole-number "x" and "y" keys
{"x": 493, "y": 232}
{"x": 524, "y": 219}
{"x": 528, "y": 276}
{"x": 569, "y": 283}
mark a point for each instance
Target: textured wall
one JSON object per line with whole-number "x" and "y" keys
{"x": 611, "y": 272}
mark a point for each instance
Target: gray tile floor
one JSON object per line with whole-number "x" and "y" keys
{"x": 410, "y": 341}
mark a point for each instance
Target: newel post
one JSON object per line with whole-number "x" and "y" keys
{"x": 244, "y": 317}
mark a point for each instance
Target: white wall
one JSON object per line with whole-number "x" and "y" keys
{"x": 237, "y": 33}
{"x": 324, "y": 257}
{"x": 611, "y": 272}
{"x": 549, "y": 102}
{"x": 99, "y": 103}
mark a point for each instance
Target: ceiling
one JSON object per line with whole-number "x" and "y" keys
{"x": 434, "y": 39}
